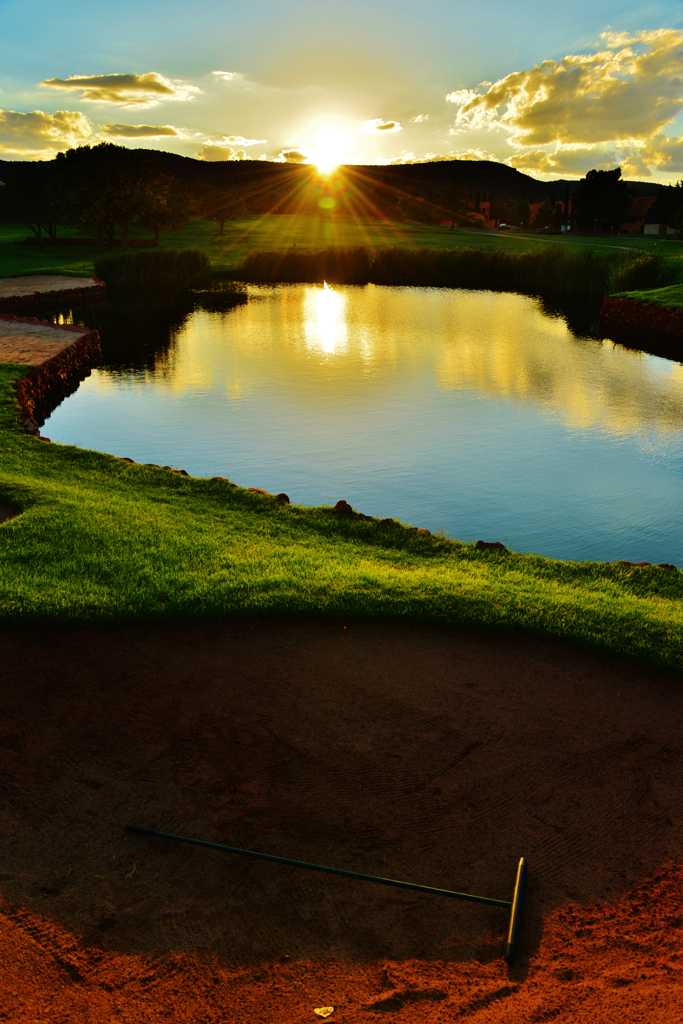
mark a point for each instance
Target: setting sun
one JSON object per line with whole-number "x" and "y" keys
{"x": 329, "y": 151}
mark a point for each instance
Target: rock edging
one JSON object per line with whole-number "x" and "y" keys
{"x": 637, "y": 324}
{"x": 48, "y": 384}
{"x": 15, "y": 305}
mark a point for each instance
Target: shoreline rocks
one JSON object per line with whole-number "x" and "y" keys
{"x": 48, "y": 292}
{"x": 643, "y": 325}
{"x": 49, "y": 383}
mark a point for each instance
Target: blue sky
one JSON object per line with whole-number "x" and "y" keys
{"x": 551, "y": 89}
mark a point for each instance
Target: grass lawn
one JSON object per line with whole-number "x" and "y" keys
{"x": 669, "y": 296}
{"x": 102, "y": 540}
{"x": 275, "y": 231}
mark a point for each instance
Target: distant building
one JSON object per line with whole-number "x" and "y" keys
{"x": 658, "y": 229}
{"x": 638, "y": 214}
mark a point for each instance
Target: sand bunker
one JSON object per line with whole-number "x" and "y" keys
{"x": 436, "y": 757}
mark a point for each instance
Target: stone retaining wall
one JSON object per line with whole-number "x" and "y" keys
{"x": 48, "y": 384}
{"x": 16, "y": 305}
{"x": 656, "y": 329}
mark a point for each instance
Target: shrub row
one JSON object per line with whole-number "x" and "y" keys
{"x": 158, "y": 272}
{"x": 552, "y": 271}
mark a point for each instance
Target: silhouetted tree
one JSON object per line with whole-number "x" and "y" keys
{"x": 220, "y": 205}
{"x": 105, "y": 187}
{"x": 602, "y": 197}
{"x": 453, "y": 200}
{"x": 169, "y": 205}
{"x": 521, "y": 215}
{"x": 28, "y": 197}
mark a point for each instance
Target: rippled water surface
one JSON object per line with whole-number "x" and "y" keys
{"x": 474, "y": 413}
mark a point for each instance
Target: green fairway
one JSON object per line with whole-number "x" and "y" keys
{"x": 102, "y": 540}
{"x": 286, "y": 231}
{"x": 670, "y": 296}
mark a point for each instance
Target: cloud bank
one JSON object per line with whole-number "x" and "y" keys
{"x": 293, "y": 156}
{"x": 223, "y": 148}
{"x": 607, "y": 108}
{"x": 40, "y": 136}
{"x": 132, "y": 91}
{"x": 139, "y": 131}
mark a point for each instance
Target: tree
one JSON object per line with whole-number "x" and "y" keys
{"x": 28, "y": 198}
{"x": 601, "y": 198}
{"x": 498, "y": 210}
{"x": 549, "y": 215}
{"x": 453, "y": 200}
{"x": 220, "y": 205}
{"x": 105, "y": 187}
{"x": 169, "y": 205}
{"x": 521, "y": 214}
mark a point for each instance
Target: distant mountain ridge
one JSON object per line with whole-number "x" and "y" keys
{"x": 496, "y": 180}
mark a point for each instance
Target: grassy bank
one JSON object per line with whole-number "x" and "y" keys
{"x": 671, "y": 295}
{"x": 101, "y": 540}
{"x": 271, "y": 232}
{"x": 558, "y": 271}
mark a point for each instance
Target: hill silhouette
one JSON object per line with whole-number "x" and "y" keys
{"x": 487, "y": 178}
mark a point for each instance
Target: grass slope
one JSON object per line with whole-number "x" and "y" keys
{"x": 102, "y": 540}
{"x": 275, "y": 231}
{"x": 672, "y": 295}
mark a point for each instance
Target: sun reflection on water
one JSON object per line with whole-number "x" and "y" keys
{"x": 324, "y": 321}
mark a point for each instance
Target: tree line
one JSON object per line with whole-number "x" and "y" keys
{"x": 106, "y": 189}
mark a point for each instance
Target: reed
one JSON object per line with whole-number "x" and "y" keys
{"x": 337, "y": 266}
{"x": 156, "y": 271}
{"x": 556, "y": 271}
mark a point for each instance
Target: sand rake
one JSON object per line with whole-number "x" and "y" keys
{"x": 514, "y": 905}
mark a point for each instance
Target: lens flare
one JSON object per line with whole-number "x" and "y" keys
{"x": 329, "y": 150}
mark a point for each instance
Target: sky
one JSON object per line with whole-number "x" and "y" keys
{"x": 553, "y": 90}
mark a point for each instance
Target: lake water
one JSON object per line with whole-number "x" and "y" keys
{"x": 472, "y": 413}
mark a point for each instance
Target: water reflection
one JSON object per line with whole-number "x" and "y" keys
{"x": 138, "y": 338}
{"x": 472, "y": 412}
{"x": 530, "y": 357}
{"x": 323, "y": 319}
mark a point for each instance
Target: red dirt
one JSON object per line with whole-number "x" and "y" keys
{"x": 435, "y": 757}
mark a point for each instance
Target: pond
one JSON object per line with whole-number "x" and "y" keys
{"x": 473, "y": 413}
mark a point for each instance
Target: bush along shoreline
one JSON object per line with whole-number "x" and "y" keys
{"x": 154, "y": 272}
{"x": 552, "y": 272}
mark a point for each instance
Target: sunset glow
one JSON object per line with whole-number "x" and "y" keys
{"x": 600, "y": 88}
{"x": 330, "y": 150}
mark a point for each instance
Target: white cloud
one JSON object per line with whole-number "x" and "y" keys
{"x": 41, "y": 135}
{"x": 214, "y": 153}
{"x": 132, "y": 91}
{"x": 235, "y": 140}
{"x": 636, "y": 159}
{"x": 419, "y": 118}
{"x": 226, "y": 76}
{"x": 572, "y": 161}
{"x": 140, "y": 131}
{"x": 430, "y": 158}
{"x": 378, "y": 125}
{"x": 475, "y": 154}
{"x": 630, "y": 90}
{"x": 664, "y": 153}
{"x": 461, "y": 96}
{"x": 223, "y": 148}
{"x": 292, "y": 156}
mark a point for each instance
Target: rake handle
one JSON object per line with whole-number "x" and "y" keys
{"x": 319, "y": 867}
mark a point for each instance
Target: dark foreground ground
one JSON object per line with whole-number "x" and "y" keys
{"x": 435, "y": 757}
